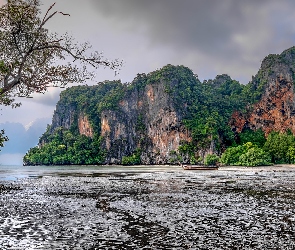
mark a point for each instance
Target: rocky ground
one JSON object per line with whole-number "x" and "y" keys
{"x": 232, "y": 208}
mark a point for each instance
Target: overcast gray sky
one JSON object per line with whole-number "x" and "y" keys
{"x": 209, "y": 36}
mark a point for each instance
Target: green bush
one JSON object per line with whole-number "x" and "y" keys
{"x": 278, "y": 145}
{"x": 256, "y": 137}
{"x": 231, "y": 155}
{"x": 211, "y": 159}
{"x": 134, "y": 159}
{"x": 255, "y": 157}
{"x": 291, "y": 154}
{"x": 247, "y": 154}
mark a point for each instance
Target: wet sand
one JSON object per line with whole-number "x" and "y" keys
{"x": 232, "y": 208}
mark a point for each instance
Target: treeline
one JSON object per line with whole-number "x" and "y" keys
{"x": 255, "y": 150}
{"x": 64, "y": 148}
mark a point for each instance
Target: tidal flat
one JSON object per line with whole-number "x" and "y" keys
{"x": 167, "y": 208}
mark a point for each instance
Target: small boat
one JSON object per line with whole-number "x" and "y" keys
{"x": 198, "y": 167}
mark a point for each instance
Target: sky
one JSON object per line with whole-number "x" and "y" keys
{"x": 210, "y": 37}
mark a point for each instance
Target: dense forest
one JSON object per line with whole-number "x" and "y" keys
{"x": 204, "y": 108}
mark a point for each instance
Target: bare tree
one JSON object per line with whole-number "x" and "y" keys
{"x": 32, "y": 58}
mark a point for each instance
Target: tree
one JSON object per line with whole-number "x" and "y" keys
{"x": 248, "y": 154}
{"x": 256, "y": 137}
{"x": 211, "y": 159}
{"x": 279, "y": 146}
{"x": 31, "y": 56}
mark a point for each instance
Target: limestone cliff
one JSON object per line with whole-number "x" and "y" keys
{"x": 142, "y": 115}
{"x": 274, "y": 109}
{"x": 145, "y": 119}
{"x": 84, "y": 125}
{"x": 167, "y": 116}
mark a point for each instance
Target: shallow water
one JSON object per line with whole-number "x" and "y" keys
{"x": 146, "y": 208}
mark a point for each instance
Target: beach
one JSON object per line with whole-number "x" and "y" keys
{"x": 157, "y": 208}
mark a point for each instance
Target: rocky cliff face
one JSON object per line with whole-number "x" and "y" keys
{"x": 84, "y": 125}
{"x": 169, "y": 114}
{"x": 145, "y": 120}
{"x": 275, "y": 109}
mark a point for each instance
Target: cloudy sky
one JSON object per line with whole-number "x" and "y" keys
{"x": 209, "y": 36}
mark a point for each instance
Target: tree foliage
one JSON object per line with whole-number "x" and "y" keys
{"x": 33, "y": 59}
{"x": 256, "y": 137}
{"x": 211, "y": 159}
{"x": 247, "y": 154}
{"x": 63, "y": 148}
{"x": 31, "y": 56}
{"x": 133, "y": 159}
{"x": 277, "y": 148}
{"x": 280, "y": 147}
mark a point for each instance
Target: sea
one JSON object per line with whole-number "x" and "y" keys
{"x": 16, "y": 172}
{"x": 146, "y": 207}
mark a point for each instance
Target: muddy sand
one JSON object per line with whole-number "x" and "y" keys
{"x": 232, "y": 208}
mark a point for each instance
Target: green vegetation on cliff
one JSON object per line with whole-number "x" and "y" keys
{"x": 64, "y": 148}
{"x": 207, "y": 109}
{"x": 271, "y": 66}
{"x": 67, "y": 146}
{"x": 203, "y": 108}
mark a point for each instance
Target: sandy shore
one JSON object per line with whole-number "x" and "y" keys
{"x": 232, "y": 208}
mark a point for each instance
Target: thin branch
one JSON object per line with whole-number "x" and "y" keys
{"x": 48, "y": 11}
{"x": 93, "y": 61}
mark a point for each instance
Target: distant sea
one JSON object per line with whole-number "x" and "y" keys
{"x": 15, "y": 172}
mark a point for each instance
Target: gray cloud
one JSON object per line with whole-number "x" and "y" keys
{"x": 224, "y": 35}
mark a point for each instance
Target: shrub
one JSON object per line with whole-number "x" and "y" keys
{"x": 211, "y": 159}
{"x": 255, "y": 156}
{"x": 231, "y": 155}
{"x": 134, "y": 159}
{"x": 256, "y": 137}
{"x": 247, "y": 154}
{"x": 291, "y": 155}
{"x": 278, "y": 145}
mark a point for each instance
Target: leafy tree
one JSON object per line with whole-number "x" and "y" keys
{"x": 62, "y": 148}
{"x": 256, "y": 137}
{"x": 247, "y": 154}
{"x": 291, "y": 154}
{"x": 279, "y": 146}
{"x": 31, "y": 55}
{"x": 134, "y": 159}
{"x": 255, "y": 156}
{"x": 232, "y": 155}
